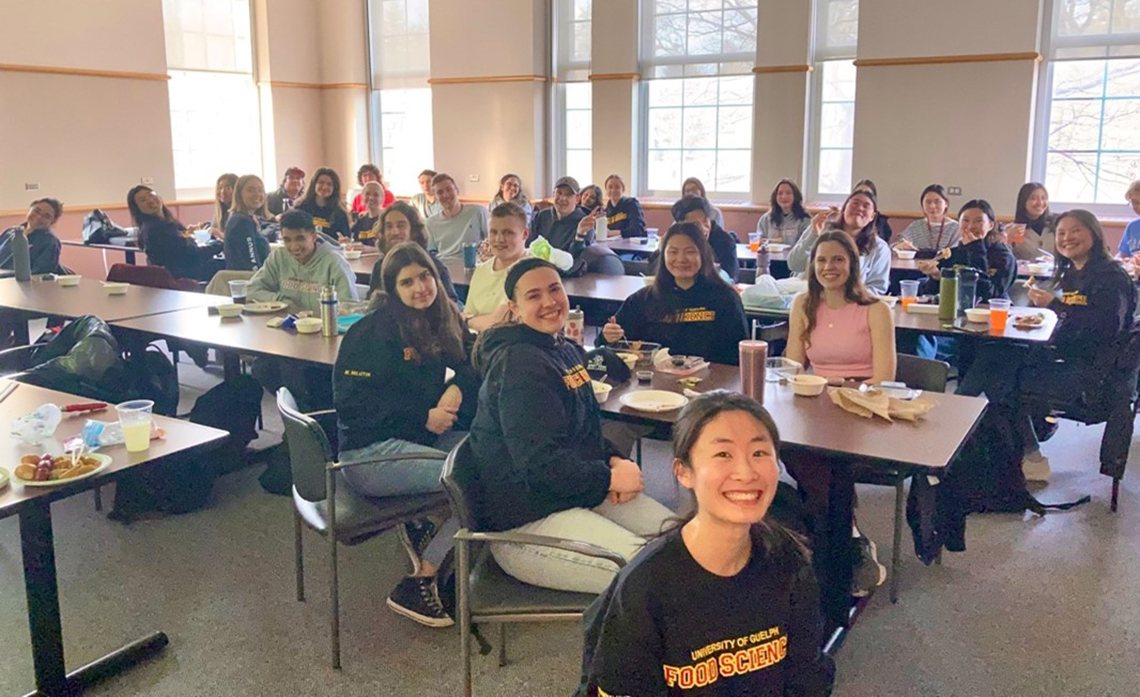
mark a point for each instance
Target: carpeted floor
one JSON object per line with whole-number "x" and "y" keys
{"x": 1034, "y": 607}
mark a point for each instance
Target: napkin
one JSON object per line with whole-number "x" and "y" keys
{"x": 877, "y": 403}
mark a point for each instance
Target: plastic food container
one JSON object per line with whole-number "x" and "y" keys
{"x": 644, "y": 351}
{"x": 979, "y": 315}
{"x": 309, "y": 325}
{"x": 229, "y": 310}
{"x": 601, "y": 391}
{"x": 808, "y": 385}
{"x": 906, "y": 253}
{"x": 68, "y": 281}
{"x": 116, "y": 288}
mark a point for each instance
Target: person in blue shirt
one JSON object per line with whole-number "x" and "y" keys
{"x": 1130, "y": 242}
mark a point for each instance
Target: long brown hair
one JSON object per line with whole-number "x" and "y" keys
{"x": 436, "y": 333}
{"x": 416, "y": 234}
{"x": 866, "y": 235}
{"x": 221, "y": 212}
{"x": 1099, "y": 252}
{"x": 853, "y": 290}
{"x": 335, "y": 200}
{"x": 772, "y": 538}
{"x": 238, "y": 206}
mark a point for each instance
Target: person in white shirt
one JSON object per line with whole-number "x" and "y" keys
{"x": 456, "y": 224}
{"x": 425, "y": 202}
{"x": 486, "y": 303}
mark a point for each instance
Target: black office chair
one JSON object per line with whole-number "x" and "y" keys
{"x": 919, "y": 374}
{"x": 484, "y": 592}
{"x": 339, "y": 514}
{"x": 1113, "y": 402}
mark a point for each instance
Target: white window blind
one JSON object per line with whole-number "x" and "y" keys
{"x": 1091, "y": 119}
{"x": 697, "y": 58}
{"x": 400, "y": 54}
{"x": 214, "y": 109}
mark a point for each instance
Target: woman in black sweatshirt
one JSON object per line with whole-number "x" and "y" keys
{"x": 325, "y": 202}
{"x": 246, "y": 249}
{"x": 543, "y": 466}
{"x": 1095, "y": 303}
{"x": 623, "y": 213}
{"x": 726, "y": 598}
{"x": 981, "y": 248}
{"x": 688, "y": 308}
{"x": 163, "y": 237}
{"x": 392, "y": 398}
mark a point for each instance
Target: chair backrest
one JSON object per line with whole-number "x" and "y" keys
{"x": 922, "y": 373}
{"x": 458, "y": 478}
{"x": 309, "y": 449}
{"x": 220, "y": 283}
{"x": 150, "y": 276}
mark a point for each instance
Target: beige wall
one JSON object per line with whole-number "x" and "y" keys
{"x": 82, "y": 139}
{"x": 615, "y": 115}
{"x": 486, "y": 128}
{"x": 958, "y": 124}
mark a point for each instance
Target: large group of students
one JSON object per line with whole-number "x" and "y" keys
{"x": 547, "y": 462}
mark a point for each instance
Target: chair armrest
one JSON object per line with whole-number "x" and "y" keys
{"x": 522, "y": 538}
{"x": 388, "y": 458}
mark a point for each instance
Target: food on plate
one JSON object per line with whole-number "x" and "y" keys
{"x": 43, "y": 468}
{"x": 1029, "y": 321}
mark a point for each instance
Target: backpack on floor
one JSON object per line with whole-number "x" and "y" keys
{"x": 184, "y": 483}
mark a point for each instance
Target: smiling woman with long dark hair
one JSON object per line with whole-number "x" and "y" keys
{"x": 165, "y": 240}
{"x": 856, "y": 217}
{"x": 688, "y": 307}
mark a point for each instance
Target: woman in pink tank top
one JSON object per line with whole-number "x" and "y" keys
{"x": 837, "y": 327}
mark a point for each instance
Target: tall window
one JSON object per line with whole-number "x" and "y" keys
{"x": 1090, "y": 149}
{"x": 215, "y": 116}
{"x": 833, "y": 97}
{"x": 697, "y": 58}
{"x": 401, "y": 97}
{"x": 573, "y": 94}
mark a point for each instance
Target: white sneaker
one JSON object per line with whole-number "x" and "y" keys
{"x": 1035, "y": 467}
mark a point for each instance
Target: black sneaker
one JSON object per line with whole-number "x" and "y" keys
{"x": 416, "y": 535}
{"x": 869, "y": 573}
{"x": 416, "y": 598}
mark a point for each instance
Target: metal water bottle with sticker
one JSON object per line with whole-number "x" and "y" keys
{"x": 328, "y": 311}
{"x": 575, "y": 325}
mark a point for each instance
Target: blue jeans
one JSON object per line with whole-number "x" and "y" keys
{"x": 404, "y": 478}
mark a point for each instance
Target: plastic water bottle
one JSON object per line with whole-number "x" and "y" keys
{"x": 328, "y": 311}
{"x": 21, "y": 256}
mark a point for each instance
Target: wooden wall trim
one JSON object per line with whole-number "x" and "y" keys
{"x": 86, "y": 208}
{"x": 80, "y": 72}
{"x": 486, "y": 79}
{"x": 942, "y": 60}
{"x": 768, "y": 69}
{"x": 599, "y": 77}
{"x": 317, "y": 85}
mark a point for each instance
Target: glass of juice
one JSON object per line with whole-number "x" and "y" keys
{"x": 134, "y": 419}
{"x": 999, "y": 313}
{"x": 909, "y": 291}
{"x": 754, "y": 242}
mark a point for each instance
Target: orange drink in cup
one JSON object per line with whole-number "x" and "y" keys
{"x": 999, "y": 313}
{"x": 909, "y": 291}
{"x": 754, "y": 242}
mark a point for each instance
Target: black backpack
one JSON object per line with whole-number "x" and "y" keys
{"x": 183, "y": 484}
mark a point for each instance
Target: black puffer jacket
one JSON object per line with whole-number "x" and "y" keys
{"x": 537, "y": 434}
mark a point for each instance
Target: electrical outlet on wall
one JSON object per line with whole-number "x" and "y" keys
{"x": 954, "y": 190}
{"x": 473, "y": 177}
{"x": 147, "y": 181}
{"x": 32, "y": 186}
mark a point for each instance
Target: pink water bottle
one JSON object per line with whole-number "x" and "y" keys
{"x": 753, "y": 367}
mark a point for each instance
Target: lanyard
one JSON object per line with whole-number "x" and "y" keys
{"x": 941, "y": 227}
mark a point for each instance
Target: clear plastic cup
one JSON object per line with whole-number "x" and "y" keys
{"x": 909, "y": 291}
{"x": 134, "y": 419}
{"x": 999, "y": 313}
{"x": 237, "y": 290}
{"x": 754, "y": 242}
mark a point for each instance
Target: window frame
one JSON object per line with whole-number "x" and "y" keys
{"x": 649, "y": 64}
{"x": 1039, "y": 154}
{"x": 822, "y": 53}
{"x": 562, "y": 65}
{"x": 209, "y": 191}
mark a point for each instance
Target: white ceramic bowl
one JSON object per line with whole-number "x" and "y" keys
{"x": 906, "y": 253}
{"x": 808, "y": 385}
{"x": 601, "y": 391}
{"x": 309, "y": 325}
{"x": 229, "y": 310}
{"x": 979, "y": 315}
{"x": 353, "y": 254}
{"x": 116, "y": 288}
{"x": 68, "y": 281}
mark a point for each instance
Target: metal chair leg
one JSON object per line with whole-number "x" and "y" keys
{"x": 896, "y": 551}
{"x": 298, "y": 556}
{"x": 461, "y": 589}
{"x": 639, "y": 451}
{"x": 502, "y": 644}
{"x": 98, "y": 498}
{"x": 1115, "y": 493}
{"x": 334, "y": 597}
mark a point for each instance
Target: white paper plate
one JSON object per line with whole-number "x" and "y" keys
{"x": 104, "y": 461}
{"x": 264, "y": 308}
{"x": 654, "y": 400}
